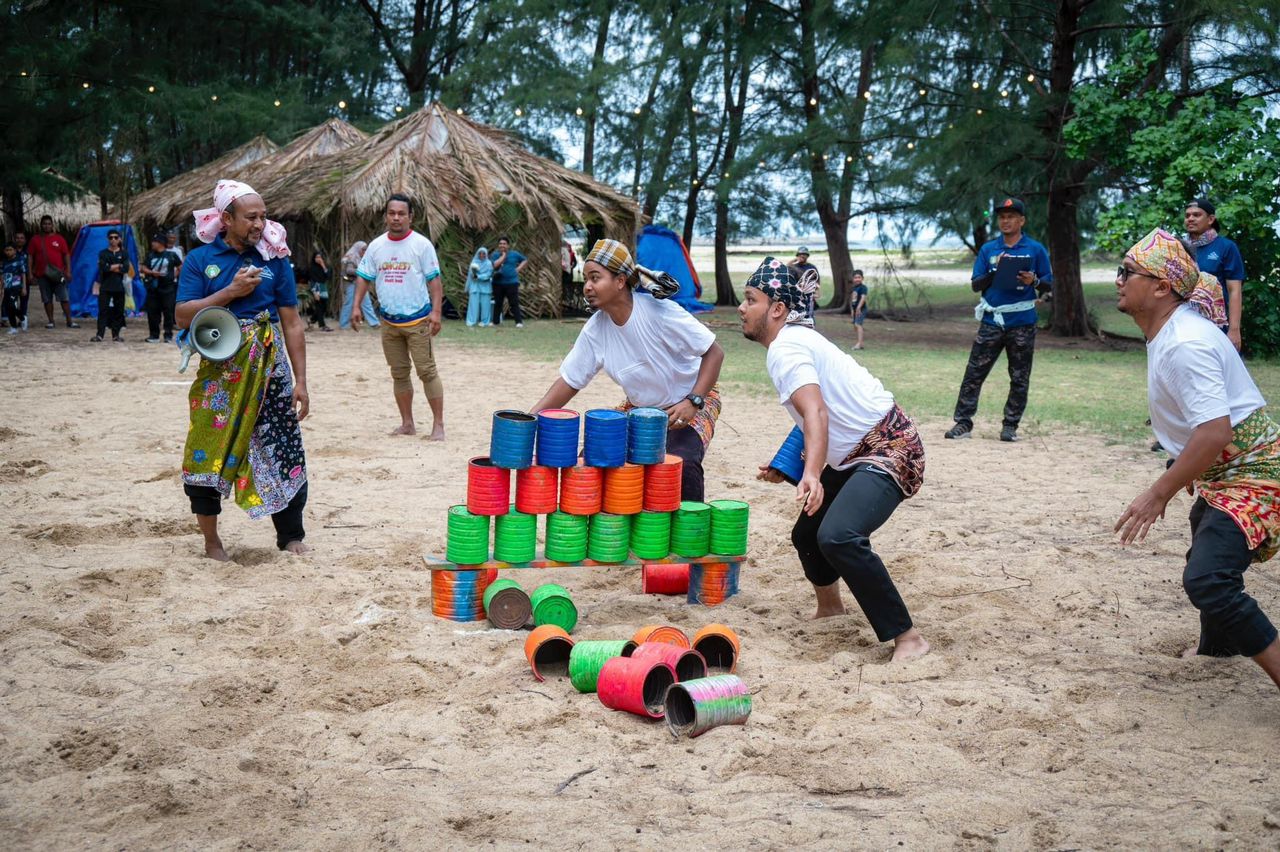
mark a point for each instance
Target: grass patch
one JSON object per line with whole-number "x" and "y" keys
{"x": 1100, "y": 391}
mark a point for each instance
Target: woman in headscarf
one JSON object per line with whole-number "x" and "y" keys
{"x": 656, "y": 350}
{"x": 350, "y": 261}
{"x": 480, "y": 289}
{"x": 1211, "y": 417}
{"x": 318, "y": 275}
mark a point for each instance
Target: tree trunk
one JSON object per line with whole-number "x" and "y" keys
{"x": 725, "y": 294}
{"x": 1070, "y": 314}
{"x": 1065, "y": 178}
{"x": 735, "y": 106}
{"x": 13, "y": 210}
{"x": 597, "y": 60}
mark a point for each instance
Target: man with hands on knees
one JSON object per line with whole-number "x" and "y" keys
{"x": 1210, "y": 416}
{"x": 244, "y": 436}
{"x": 863, "y": 454}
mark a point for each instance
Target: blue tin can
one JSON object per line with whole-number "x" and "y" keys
{"x": 646, "y": 436}
{"x": 558, "y": 430}
{"x": 604, "y": 438}
{"x": 789, "y": 460}
{"x": 511, "y": 441}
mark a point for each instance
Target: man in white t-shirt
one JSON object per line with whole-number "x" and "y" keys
{"x": 1210, "y": 416}
{"x": 402, "y": 266}
{"x": 863, "y": 455}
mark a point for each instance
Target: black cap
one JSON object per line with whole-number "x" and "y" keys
{"x": 1204, "y": 204}
{"x": 159, "y": 237}
{"x": 1011, "y": 205}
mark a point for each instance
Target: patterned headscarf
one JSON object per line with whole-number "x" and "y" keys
{"x": 782, "y": 283}
{"x": 616, "y": 258}
{"x": 271, "y": 245}
{"x": 1163, "y": 255}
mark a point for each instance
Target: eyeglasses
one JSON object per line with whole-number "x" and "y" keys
{"x": 1123, "y": 273}
{"x": 114, "y": 239}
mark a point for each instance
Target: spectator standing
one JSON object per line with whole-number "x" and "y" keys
{"x": 13, "y": 278}
{"x": 1218, "y": 256}
{"x": 568, "y": 263}
{"x": 20, "y": 245}
{"x": 171, "y": 242}
{"x": 507, "y": 266}
{"x": 1008, "y": 320}
{"x": 802, "y": 266}
{"x": 858, "y": 305}
{"x": 350, "y": 262}
{"x": 403, "y": 268}
{"x": 480, "y": 289}
{"x": 319, "y": 275}
{"x": 108, "y": 286}
{"x": 51, "y": 267}
{"x": 160, "y": 277}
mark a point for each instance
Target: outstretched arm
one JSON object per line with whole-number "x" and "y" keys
{"x": 557, "y": 396}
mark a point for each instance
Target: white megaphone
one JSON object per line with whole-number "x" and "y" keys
{"x": 214, "y": 333}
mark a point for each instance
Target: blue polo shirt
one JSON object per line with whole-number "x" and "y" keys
{"x": 507, "y": 274}
{"x": 1221, "y": 259}
{"x": 210, "y": 268}
{"x": 989, "y": 258}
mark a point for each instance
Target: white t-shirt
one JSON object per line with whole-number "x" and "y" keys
{"x": 1195, "y": 375}
{"x": 401, "y": 270}
{"x": 855, "y": 399}
{"x": 655, "y": 357}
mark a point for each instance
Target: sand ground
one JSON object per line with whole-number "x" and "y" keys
{"x": 154, "y": 699}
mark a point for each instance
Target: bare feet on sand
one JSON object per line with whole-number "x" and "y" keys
{"x": 297, "y": 547}
{"x": 214, "y": 550}
{"x": 1188, "y": 653}
{"x": 829, "y": 602}
{"x": 437, "y": 432}
{"x": 404, "y": 429}
{"x": 909, "y": 646}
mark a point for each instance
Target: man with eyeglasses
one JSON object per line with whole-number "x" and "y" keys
{"x": 1211, "y": 417}
{"x": 1008, "y": 319}
{"x": 108, "y": 286}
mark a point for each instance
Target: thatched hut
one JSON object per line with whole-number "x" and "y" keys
{"x": 171, "y": 202}
{"x": 70, "y": 210}
{"x": 472, "y": 184}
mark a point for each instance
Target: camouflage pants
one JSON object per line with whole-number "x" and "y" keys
{"x": 1019, "y": 345}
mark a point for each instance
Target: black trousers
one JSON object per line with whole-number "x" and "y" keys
{"x": 686, "y": 444}
{"x": 110, "y": 312}
{"x": 26, "y": 301}
{"x": 510, "y": 292}
{"x": 206, "y": 500}
{"x": 11, "y": 310}
{"x": 1231, "y": 622}
{"x": 161, "y": 304}
{"x": 1019, "y": 345}
{"x": 835, "y": 544}
{"x": 319, "y": 305}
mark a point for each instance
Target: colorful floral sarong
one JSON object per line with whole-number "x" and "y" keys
{"x": 1245, "y": 483}
{"x": 704, "y": 422}
{"x": 244, "y": 434}
{"x": 893, "y": 446}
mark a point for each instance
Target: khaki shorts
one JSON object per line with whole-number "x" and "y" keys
{"x": 408, "y": 348}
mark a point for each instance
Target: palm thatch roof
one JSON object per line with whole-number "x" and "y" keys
{"x": 472, "y": 183}
{"x": 77, "y": 207}
{"x": 172, "y": 201}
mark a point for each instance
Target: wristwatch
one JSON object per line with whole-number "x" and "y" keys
{"x": 697, "y": 401}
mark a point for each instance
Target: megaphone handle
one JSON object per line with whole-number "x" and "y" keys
{"x": 186, "y": 359}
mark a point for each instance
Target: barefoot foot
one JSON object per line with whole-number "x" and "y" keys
{"x": 828, "y": 612}
{"x": 297, "y": 547}
{"x": 829, "y": 601}
{"x": 215, "y": 551}
{"x": 404, "y": 429}
{"x": 1190, "y": 653}
{"x": 909, "y": 646}
{"x": 437, "y": 432}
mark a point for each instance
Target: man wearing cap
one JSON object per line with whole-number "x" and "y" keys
{"x": 1008, "y": 319}
{"x": 160, "y": 275}
{"x": 1218, "y": 256}
{"x": 1207, "y": 411}
{"x": 863, "y": 454}
{"x": 802, "y": 266}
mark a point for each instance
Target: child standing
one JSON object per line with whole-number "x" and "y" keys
{"x": 859, "y": 303}
{"x": 13, "y": 273}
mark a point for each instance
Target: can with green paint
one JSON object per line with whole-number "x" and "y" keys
{"x": 468, "y": 537}
{"x": 610, "y": 538}
{"x": 587, "y": 658}
{"x": 729, "y": 527}
{"x": 515, "y": 537}
{"x": 691, "y": 530}
{"x": 566, "y": 537}
{"x": 507, "y": 605}
{"x": 651, "y": 535}
{"x": 552, "y": 605}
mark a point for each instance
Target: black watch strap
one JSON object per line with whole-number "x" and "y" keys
{"x": 697, "y": 401}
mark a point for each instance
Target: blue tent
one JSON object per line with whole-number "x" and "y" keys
{"x": 84, "y": 267}
{"x": 662, "y": 249}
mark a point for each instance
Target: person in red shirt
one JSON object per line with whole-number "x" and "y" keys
{"x": 51, "y": 268}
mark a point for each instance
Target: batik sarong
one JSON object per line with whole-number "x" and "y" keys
{"x": 893, "y": 446}
{"x": 1245, "y": 483}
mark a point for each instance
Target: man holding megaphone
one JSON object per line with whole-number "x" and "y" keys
{"x": 244, "y": 435}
